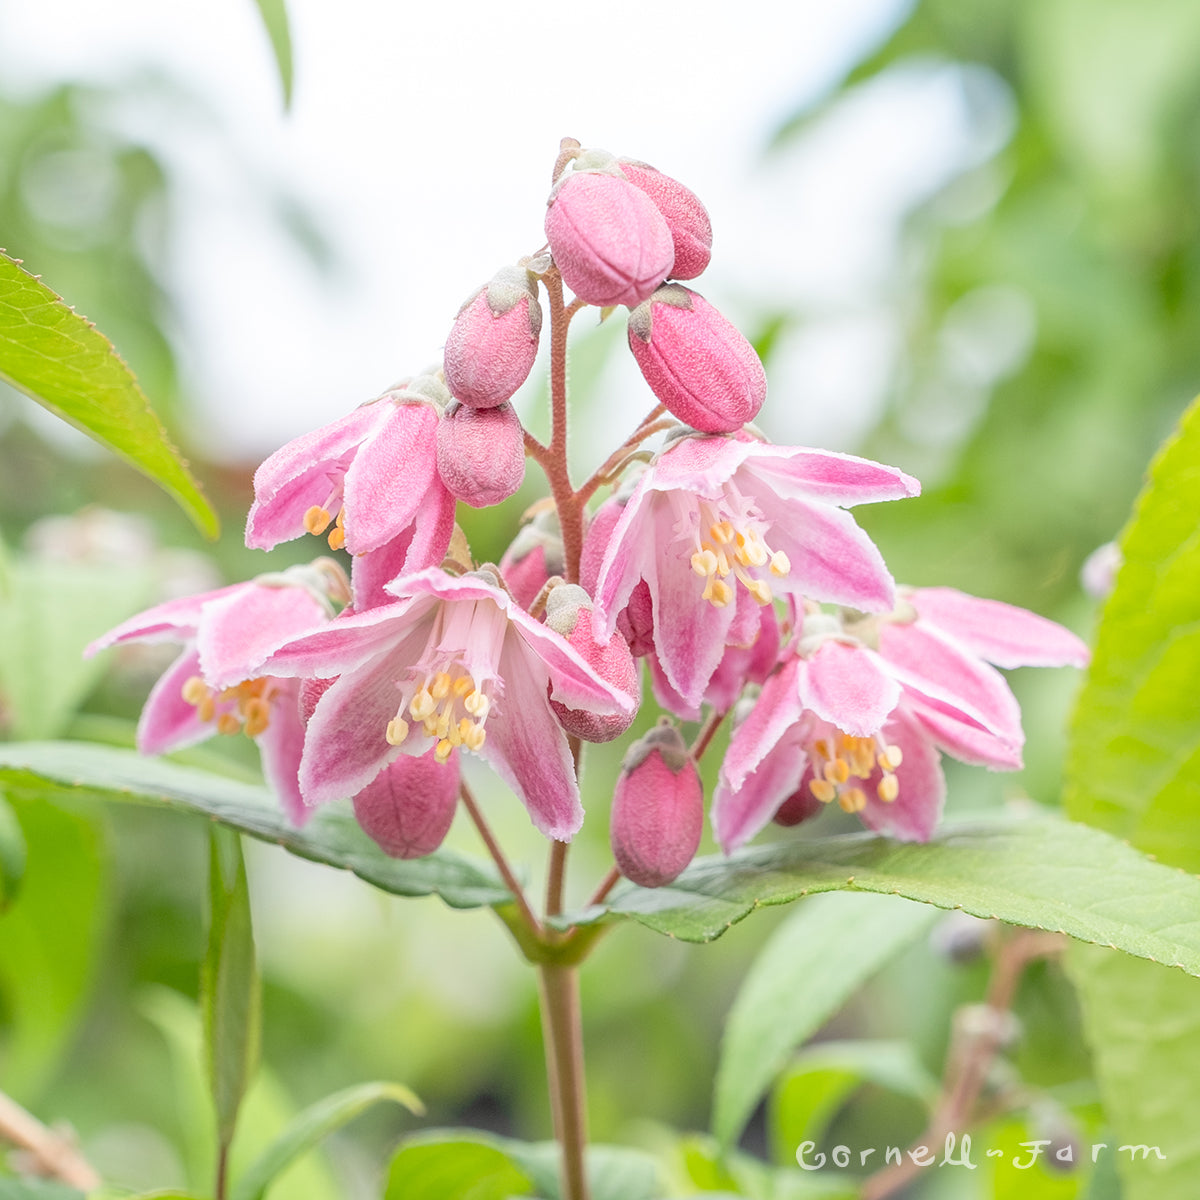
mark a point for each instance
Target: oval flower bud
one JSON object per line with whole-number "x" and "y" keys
{"x": 658, "y": 809}
{"x": 609, "y": 241}
{"x": 408, "y": 808}
{"x": 533, "y": 556}
{"x": 697, "y": 364}
{"x": 569, "y": 612}
{"x": 480, "y": 453}
{"x": 686, "y": 217}
{"x": 494, "y": 340}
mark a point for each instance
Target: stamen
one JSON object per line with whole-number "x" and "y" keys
{"x": 422, "y": 705}
{"x": 442, "y": 750}
{"x": 195, "y": 691}
{"x": 477, "y": 704}
{"x": 891, "y": 757}
{"x": 822, "y": 790}
{"x": 317, "y": 519}
{"x": 397, "y": 731}
{"x": 780, "y": 563}
{"x": 852, "y": 800}
{"x": 888, "y": 789}
{"x": 227, "y": 723}
{"x": 440, "y": 688}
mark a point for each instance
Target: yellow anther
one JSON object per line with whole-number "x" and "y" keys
{"x": 891, "y": 757}
{"x": 440, "y": 688}
{"x": 337, "y": 538}
{"x": 780, "y": 563}
{"x": 754, "y": 554}
{"x": 823, "y": 790}
{"x": 442, "y": 726}
{"x": 397, "y": 731}
{"x": 821, "y": 746}
{"x": 837, "y": 771}
{"x": 206, "y": 709}
{"x": 852, "y": 800}
{"x": 430, "y": 726}
{"x": 476, "y": 738}
{"x": 195, "y": 691}
{"x": 477, "y": 704}
{"x": 442, "y": 750}
{"x": 422, "y": 706}
{"x": 721, "y": 532}
{"x": 704, "y": 562}
{"x": 462, "y": 685}
{"x": 718, "y": 593}
{"x": 228, "y": 723}
{"x": 759, "y": 590}
{"x": 258, "y": 717}
{"x": 317, "y": 519}
{"x": 888, "y": 789}
{"x": 465, "y": 725}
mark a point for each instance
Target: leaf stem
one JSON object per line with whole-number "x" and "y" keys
{"x": 654, "y": 423}
{"x": 498, "y": 857}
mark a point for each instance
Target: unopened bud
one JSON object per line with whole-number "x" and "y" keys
{"x": 407, "y": 809}
{"x": 686, "y": 217}
{"x": 609, "y": 241}
{"x": 698, "y": 364}
{"x": 799, "y": 806}
{"x": 494, "y": 340}
{"x": 658, "y": 809}
{"x": 569, "y": 612}
{"x": 481, "y": 453}
{"x": 534, "y": 555}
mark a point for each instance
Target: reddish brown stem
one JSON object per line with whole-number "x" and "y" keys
{"x": 649, "y": 426}
{"x": 50, "y": 1153}
{"x": 707, "y": 733}
{"x": 498, "y": 857}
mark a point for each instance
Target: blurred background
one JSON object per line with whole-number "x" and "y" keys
{"x": 962, "y": 235}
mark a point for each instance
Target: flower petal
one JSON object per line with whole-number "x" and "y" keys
{"x": 168, "y": 722}
{"x": 914, "y": 814}
{"x": 1002, "y": 633}
{"x": 797, "y": 472}
{"x": 848, "y": 686}
{"x": 305, "y": 472}
{"x": 528, "y": 750}
{"x": 738, "y": 815}
{"x": 778, "y": 709}
{"x": 281, "y": 746}
{"x": 174, "y": 621}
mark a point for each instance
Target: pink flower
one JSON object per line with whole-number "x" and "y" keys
{"x": 686, "y": 217}
{"x": 844, "y": 721}
{"x": 715, "y": 514}
{"x": 373, "y": 474}
{"x": 450, "y": 662}
{"x": 480, "y": 453}
{"x": 215, "y": 685}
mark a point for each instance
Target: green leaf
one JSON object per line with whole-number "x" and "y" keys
{"x": 230, "y": 991}
{"x": 1035, "y": 870}
{"x": 1134, "y": 763}
{"x": 1134, "y": 769}
{"x": 51, "y": 937}
{"x": 49, "y": 614}
{"x": 12, "y": 854}
{"x": 37, "y": 1189}
{"x": 63, "y": 362}
{"x": 313, "y": 1124}
{"x": 470, "y": 1165}
{"x": 331, "y": 836}
{"x": 275, "y": 18}
{"x": 470, "y": 1170}
{"x": 810, "y": 966}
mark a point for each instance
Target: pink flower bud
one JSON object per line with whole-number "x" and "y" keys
{"x": 686, "y": 217}
{"x": 494, "y": 340}
{"x": 534, "y": 555}
{"x": 407, "y": 809}
{"x": 569, "y": 612}
{"x": 697, "y": 364}
{"x": 658, "y": 808}
{"x": 799, "y": 806}
{"x": 609, "y": 241}
{"x": 480, "y": 453}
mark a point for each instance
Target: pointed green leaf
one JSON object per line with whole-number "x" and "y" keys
{"x": 230, "y": 992}
{"x": 1134, "y": 769}
{"x": 331, "y": 835}
{"x": 62, "y": 361}
{"x": 313, "y": 1124}
{"x": 811, "y": 965}
{"x": 12, "y": 853}
{"x": 1036, "y": 870}
{"x": 275, "y": 19}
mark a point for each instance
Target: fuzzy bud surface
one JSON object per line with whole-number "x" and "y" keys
{"x": 609, "y": 241}
{"x": 658, "y": 809}
{"x": 494, "y": 340}
{"x": 697, "y": 363}
{"x": 480, "y": 453}
{"x": 407, "y": 809}
{"x": 686, "y": 217}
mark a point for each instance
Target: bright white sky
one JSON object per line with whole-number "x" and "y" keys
{"x": 422, "y": 138}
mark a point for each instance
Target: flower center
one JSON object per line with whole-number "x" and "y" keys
{"x": 448, "y": 705}
{"x": 841, "y": 763}
{"x": 243, "y": 707}
{"x": 317, "y": 519}
{"x": 731, "y": 543}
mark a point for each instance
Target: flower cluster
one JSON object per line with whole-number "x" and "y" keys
{"x": 730, "y": 565}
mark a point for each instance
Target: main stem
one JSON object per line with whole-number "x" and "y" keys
{"x": 562, "y": 1029}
